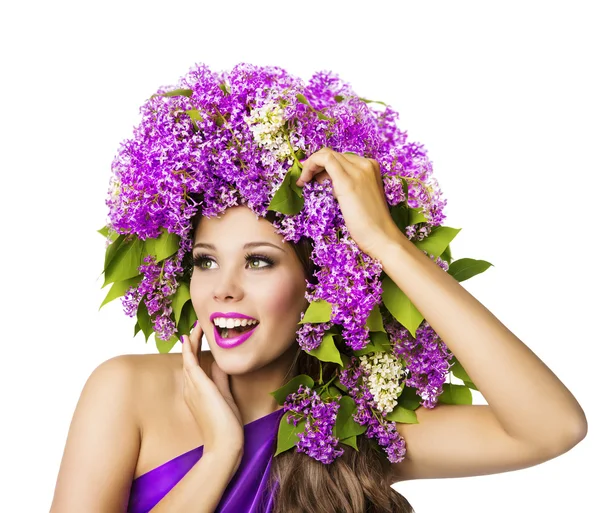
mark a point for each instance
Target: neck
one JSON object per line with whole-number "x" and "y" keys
{"x": 251, "y": 391}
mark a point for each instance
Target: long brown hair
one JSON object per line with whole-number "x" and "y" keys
{"x": 356, "y": 482}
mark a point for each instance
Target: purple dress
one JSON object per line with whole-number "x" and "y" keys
{"x": 247, "y": 490}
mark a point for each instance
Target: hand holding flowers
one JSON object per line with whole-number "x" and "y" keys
{"x": 358, "y": 188}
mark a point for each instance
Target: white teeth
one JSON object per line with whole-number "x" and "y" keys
{"x": 223, "y": 322}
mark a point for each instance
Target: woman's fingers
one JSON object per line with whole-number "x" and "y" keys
{"x": 191, "y": 343}
{"x": 324, "y": 159}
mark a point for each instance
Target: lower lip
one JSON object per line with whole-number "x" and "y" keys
{"x": 230, "y": 342}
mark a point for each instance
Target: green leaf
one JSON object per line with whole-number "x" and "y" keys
{"x": 327, "y": 352}
{"x": 143, "y": 319}
{"x": 338, "y": 384}
{"x": 400, "y": 306}
{"x": 455, "y": 394}
{"x": 179, "y": 299}
{"x": 471, "y": 385}
{"x": 345, "y": 425}
{"x": 119, "y": 288}
{"x": 401, "y": 216}
{"x": 163, "y": 246}
{"x": 175, "y": 92}
{"x": 287, "y": 435}
{"x": 401, "y": 414}
{"x": 302, "y": 99}
{"x": 331, "y": 392}
{"x": 378, "y": 342}
{"x": 165, "y": 346}
{"x": 447, "y": 255}
{"x": 373, "y": 101}
{"x": 291, "y": 386}
{"x": 375, "y": 321}
{"x": 415, "y": 215}
{"x": 136, "y": 328}
{"x": 317, "y": 311}
{"x": 194, "y": 116}
{"x": 350, "y": 441}
{"x": 289, "y": 198}
{"x": 225, "y": 88}
{"x": 438, "y": 240}
{"x": 409, "y": 399}
{"x": 404, "y": 182}
{"x": 320, "y": 115}
{"x": 458, "y": 370}
{"x": 338, "y": 98}
{"x": 187, "y": 319}
{"x": 345, "y": 359}
{"x": 112, "y": 249}
{"x": 125, "y": 263}
{"x": 466, "y": 268}
{"x": 104, "y": 232}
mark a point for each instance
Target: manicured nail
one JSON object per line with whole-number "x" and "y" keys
{"x": 181, "y": 339}
{"x": 195, "y": 322}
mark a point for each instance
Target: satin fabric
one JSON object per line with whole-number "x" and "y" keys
{"x": 246, "y": 492}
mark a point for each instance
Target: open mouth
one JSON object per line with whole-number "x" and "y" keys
{"x": 236, "y": 331}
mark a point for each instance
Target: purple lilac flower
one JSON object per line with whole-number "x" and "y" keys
{"x": 317, "y": 439}
{"x": 426, "y": 356}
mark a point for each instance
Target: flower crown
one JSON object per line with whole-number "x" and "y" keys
{"x": 218, "y": 140}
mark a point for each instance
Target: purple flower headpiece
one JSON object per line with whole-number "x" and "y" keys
{"x": 218, "y": 140}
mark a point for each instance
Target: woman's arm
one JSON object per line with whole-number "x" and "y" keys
{"x": 201, "y": 489}
{"x": 529, "y": 402}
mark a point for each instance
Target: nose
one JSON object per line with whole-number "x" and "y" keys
{"x": 227, "y": 287}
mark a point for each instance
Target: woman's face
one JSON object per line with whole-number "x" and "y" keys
{"x": 228, "y": 277}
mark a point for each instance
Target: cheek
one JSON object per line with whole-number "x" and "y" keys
{"x": 284, "y": 300}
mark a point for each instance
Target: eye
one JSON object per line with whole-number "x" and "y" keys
{"x": 253, "y": 257}
{"x": 201, "y": 259}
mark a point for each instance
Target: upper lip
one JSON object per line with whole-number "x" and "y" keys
{"x": 231, "y": 315}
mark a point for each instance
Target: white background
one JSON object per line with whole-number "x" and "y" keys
{"x": 504, "y": 96}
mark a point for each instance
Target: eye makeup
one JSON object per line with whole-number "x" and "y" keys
{"x": 200, "y": 258}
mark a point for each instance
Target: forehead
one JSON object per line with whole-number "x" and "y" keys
{"x": 237, "y": 222}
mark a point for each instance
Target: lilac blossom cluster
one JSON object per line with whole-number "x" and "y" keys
{"x": 427, "y": 358}
{"x": 355, "y": 377}
{"x": 218, "y": 140}
{"x": 158, "y": 282}
{"x": 317, "y": 439}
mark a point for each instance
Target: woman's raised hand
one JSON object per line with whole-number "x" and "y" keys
{"x": 357, "y": 185}
{"x": 210, "y": 401}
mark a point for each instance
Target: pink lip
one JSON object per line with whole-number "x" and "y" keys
{"x": 228, "y": 343}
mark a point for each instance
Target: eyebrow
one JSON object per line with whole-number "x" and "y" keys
{"x": 246, "y": 246}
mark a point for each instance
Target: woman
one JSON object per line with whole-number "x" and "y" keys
{"x": 206, "y": 431}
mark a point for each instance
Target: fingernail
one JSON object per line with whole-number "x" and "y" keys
{"x": 181, "y": 339}
{"x": 195, "y": 322}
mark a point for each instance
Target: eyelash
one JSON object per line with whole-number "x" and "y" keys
{"x": 201, "y": 257}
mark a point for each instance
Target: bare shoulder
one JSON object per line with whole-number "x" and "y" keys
{"x": 102, "y": 443}
{"x": 150, "y": 367}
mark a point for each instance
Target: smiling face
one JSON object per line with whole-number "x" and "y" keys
{"x": 261, "y": 281}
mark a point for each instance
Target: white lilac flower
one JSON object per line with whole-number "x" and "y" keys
{"x": 385, "y": 374}
{"x": 267, "y": 126}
